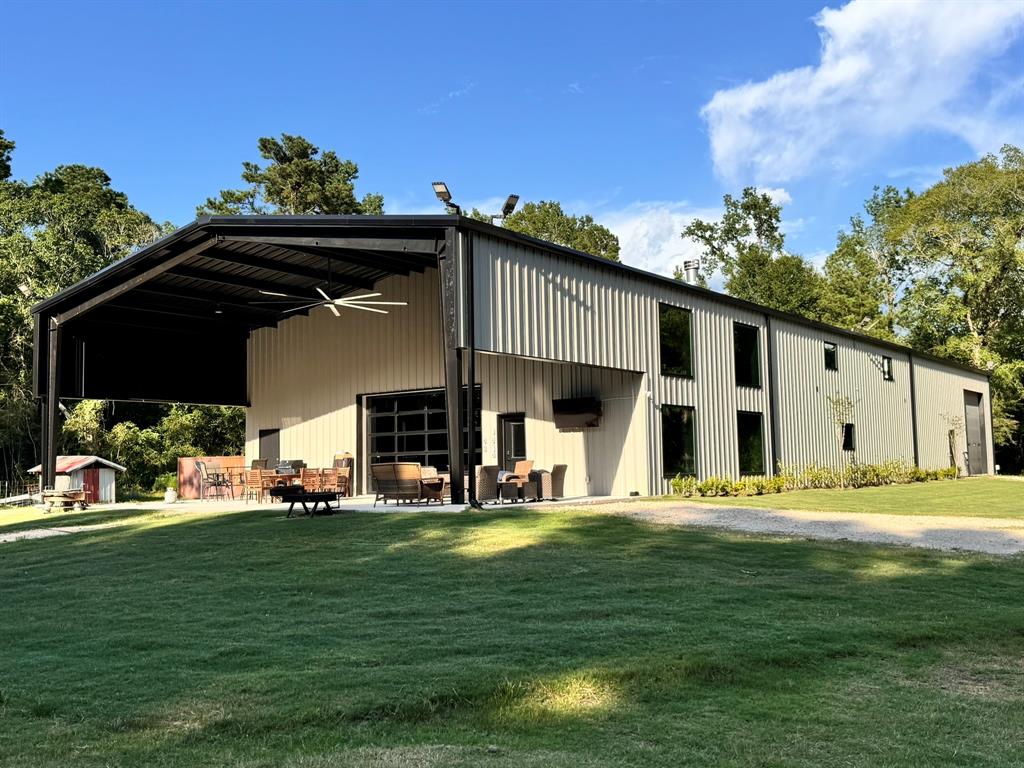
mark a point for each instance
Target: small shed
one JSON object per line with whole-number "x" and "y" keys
{"x": 94, "y": 474}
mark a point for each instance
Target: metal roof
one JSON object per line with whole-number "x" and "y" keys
{"x": 236, "y": 258}
{"x": 68, "y": 464}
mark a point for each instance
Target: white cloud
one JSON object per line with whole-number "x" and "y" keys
{"x": 574, "y": 88}
{"x": 433, "y": 107}
{"x": 778, "y": 195}
{"x": 887, "y": 69}
{"x": 650, "y": 233}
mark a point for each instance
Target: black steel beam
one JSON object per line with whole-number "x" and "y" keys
{"x": 399, "y": 264}
{"x": 271, "y": 265}
{"x": 49, "y": 464}
{"x": 247, "y": 320}
{"x": 240, "y": 281}
{"x": 452, "y": 368}
{"x": 134, "y": 282}
{"x": 394, "y": 245}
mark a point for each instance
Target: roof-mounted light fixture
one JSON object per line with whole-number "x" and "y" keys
{"x": 445, "y": 196}
{"x": 506, "y": 210}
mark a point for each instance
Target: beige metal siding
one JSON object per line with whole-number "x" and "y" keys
{"x": 548, "y": 306}
{"x": 608, "y": 460}
{"x": 883, "y": 429}
{"x": 940, "y": 402}
{"x": 304, "y": 375}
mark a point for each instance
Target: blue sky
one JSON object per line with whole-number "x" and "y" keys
{"x": 642, "y": 114}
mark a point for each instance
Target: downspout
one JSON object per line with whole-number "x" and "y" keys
{"x": 773, "y": 421}
{"x": 913, "y": 410}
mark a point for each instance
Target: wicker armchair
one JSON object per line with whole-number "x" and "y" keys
{"x": 550, "y": 485}
{"x": 487, "y": 483}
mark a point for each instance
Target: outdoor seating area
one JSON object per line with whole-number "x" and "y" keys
{"x": 257, "y": 482}
{"x": 411, "y": 483}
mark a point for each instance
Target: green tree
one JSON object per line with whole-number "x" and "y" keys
{"x": 83, "y": 431}
{"x": 547, "y": 221}
{"x": 964, "y": 237}
{"x": 869, "y": 270}
{"x": 6, "y": 149}
{"x": 54, "y": 231}
{"x": 298, "y": 179}
{"x": 748, "y": 247}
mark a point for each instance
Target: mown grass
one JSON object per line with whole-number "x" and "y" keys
{"x": 974, "y": 497}
{"x": 507, "y": 638}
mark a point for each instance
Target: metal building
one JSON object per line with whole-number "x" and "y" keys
{"x": 625, "y": 376}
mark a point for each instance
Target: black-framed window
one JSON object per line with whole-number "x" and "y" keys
{"x": 413, "y": 427}
{"x": 750, "y": 438}
{"x": 678, "y": 440}
{"x": 886, "y": 368}
{"x": 831, "y": 356}
{"x": 747, "y": 351}
{"x": 849, "y": 438}
{"x": 675, "y": 329}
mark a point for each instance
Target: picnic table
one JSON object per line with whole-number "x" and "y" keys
{"x": 72, "y": 497}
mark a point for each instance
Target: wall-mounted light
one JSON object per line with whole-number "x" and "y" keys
{"x": 445, "y": 196}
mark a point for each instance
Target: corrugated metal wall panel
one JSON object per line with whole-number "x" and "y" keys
{"x": 305, "y": 374}
{"x": 807, "y": 433}
{"x": 607, "y": 460}
{"x": 940, "y": 401}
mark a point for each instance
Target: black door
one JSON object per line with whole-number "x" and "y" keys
{"x": 270, "y": 446}
{"x": 974, "y": 427}
{"x": 512, "y": 437}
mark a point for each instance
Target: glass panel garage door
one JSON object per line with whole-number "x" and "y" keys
{"x": 413, "y": 426}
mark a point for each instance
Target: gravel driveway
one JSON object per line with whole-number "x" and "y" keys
{"x": 995, "y": 536}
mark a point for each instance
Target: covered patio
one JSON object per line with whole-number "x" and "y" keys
{"x": 338, "y": 334}
{"x": 173, "y": 321}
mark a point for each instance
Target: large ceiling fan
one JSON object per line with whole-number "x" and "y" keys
{"x": 363, "y": 301}
{"x": 351, "y": 302}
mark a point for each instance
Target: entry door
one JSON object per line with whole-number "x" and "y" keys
{"x": 974, "y": 427}
{"x": 91, "y": 485}
{"x": 270, "y": 446}
{"x": 512, "y": 434}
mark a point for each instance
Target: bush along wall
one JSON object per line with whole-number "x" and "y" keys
{"x": 794, "y": 478}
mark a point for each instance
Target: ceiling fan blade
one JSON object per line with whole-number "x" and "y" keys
{"x": 333, "y": 309}
{"x": 365, "y": 309}
{"x": 349, "y": 302}
{"x": 299, "y": 309}
{"x": 323, "y": 293}
{"x": 362, "y": 296}
{"x": 282, "y": 295}
{"x": 280, "y": 301}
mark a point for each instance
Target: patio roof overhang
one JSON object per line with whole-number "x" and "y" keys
{"x": 171, "y": 321}
{"x": 189, "y": 301}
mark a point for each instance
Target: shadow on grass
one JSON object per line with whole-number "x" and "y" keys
{"x": 247, "y": 625}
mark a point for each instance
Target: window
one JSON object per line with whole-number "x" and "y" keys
{"x": 886, "y": 368}
{"x": 748, "y": 355}
{"x": 676, "y": 341}
{"x": 848, "y": 440}
{"x": 678, "y": 440}
{"x": 413, "y": 427}
{"x": 831, "y": 357}
{"x": 751, "y": 443}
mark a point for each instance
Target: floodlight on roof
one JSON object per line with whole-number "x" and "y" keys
{"x": 441, "y": 190}
{"x": 510, "y": 205}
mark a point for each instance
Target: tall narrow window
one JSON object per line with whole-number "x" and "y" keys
{"x": 676, "y": 340}
{"x": 848, "y": 438}
{"x": 678, "y": 440}
{"x": 748, "y": 355}
{"x": 831, "y": 356}
{"x": 886, "y": 368}
{"x": 750, "y": 438}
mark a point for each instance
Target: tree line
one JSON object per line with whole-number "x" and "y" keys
{"x": 942, "y": 271}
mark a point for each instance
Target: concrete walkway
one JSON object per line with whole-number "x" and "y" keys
{"x": 995, "y": 536}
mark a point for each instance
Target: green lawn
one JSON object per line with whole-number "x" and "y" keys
{"x": 978, "y": 496}
{"x": 504, "y": 638}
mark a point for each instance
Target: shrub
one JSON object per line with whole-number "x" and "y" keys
{"x": 166, "y": 480}
{"x": 684, "y": 486}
